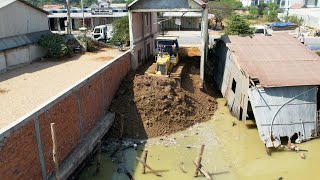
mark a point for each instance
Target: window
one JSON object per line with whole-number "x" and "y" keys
{"x": 234, "y": 86}
{"x": 97, "y": 30}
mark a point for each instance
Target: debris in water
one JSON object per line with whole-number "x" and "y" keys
{"x": 234, "y": 123}
{"x": 302, "y": 155}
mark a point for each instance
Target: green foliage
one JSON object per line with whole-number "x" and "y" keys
{"x": 294, "y": 19}
{"x": 120, "y": 30}
{"x": 254, "y": 10}
{"x": 272, "y": 6}
{"x": 271, "y": 15}
{"x": 318, "y": 53}
{"x": 56, "y": 45}
{"x": 92, "y": 44}
{"x": 129, "y": 1}
{"x": 237, "y": 25}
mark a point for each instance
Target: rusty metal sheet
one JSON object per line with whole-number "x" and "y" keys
{"x": 277, "y": 60}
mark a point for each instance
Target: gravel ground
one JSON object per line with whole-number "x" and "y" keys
{"x": 26, "y": 88}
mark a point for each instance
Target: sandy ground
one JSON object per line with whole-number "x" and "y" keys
{"x": 26, "y": 88}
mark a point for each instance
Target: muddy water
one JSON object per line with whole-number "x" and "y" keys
{"x": 231, "y": 152}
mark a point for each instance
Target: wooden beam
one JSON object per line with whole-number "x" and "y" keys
{"x": 199, "y": 160}
{"x": 54, "y": 150}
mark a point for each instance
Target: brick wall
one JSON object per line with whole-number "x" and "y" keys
{"x": 26, "y": 147}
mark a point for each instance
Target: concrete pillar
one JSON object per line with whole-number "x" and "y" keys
{"x": 92, "y": 25}
{"x": 131, "y": 40}
{"x": 204, "y": 45}
{"x": 59, "y": 28}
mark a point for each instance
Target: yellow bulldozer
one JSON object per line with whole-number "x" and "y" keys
{"x": 167, "y": 58}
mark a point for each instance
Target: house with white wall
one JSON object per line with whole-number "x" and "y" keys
{"x": 22, "y": 25}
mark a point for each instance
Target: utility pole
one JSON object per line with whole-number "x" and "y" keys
{"x": 204, "y": 44}
{"x": 69, "y": 21}
{"x": 83, "y": 25}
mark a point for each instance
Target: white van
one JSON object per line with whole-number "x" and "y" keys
{"x": 102, "y": 32}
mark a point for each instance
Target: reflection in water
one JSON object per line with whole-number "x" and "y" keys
{"x": 232, "y": 151}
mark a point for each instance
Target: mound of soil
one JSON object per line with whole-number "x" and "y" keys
{"x": 155, "y": 106}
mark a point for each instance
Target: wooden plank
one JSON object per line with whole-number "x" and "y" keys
{"x": 146, "y": 165}
{"x": 54, "y": 150}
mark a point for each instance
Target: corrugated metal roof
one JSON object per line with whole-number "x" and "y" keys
{"x": 20, "y": 40}
{"x": 277, "y": 60}
{"x": 166, "y": 5}
{"x": 4, "y": 3}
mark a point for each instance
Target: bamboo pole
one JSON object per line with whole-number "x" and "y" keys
{"x": 54, "y": 150}
{"x": 145, "y": 161}
{"x": 147, "y": 166}
{"x": 205, "y": 173}
{"x": 199, "y": 161}
{"x": 98, "y": 156}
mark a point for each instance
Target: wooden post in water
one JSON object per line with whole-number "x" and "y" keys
{"x": 147, "y": 166}
{"x": 145, "y": 161}
{"x": 98, "y": 156}
{"x": 54, "y": 150}
{"x": 199, "y": 161}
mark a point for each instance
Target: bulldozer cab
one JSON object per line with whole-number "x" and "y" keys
{"x": 167, "y": 58}
{"x": 168, "y": 44}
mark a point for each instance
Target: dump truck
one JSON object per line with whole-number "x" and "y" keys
{"x": 167, "y": 58}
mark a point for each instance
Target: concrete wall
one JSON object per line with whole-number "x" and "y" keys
{"x": 26, "y": 145}
{"x": 225, "y": 72}
{"x": 310, "y": 16}
{"x": 20, "y": 56}
{"x": 3, "y": 64}
{"x": 18, "y": 18}
{"x": 144, "y": 33}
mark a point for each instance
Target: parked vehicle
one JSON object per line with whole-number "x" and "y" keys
{"x": 102, "y": 33}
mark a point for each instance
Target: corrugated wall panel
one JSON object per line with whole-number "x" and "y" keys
{"x": 296, "y": 116}
{"x": 18, "y": 19}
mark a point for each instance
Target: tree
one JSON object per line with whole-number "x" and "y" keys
{"x": 221, "y": 10}
{"x": 237, "y": 25}
{"x": 121, "y": 30}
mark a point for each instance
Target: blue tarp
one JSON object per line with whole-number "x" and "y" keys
{"x": 282, "y": 24}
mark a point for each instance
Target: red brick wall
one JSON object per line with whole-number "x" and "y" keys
{"x": 19, "y": 158}
{"x": 91, "y": 99}
{"x": 66, "y": 118}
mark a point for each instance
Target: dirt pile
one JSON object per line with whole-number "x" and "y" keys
{"x": 153, "y": 106}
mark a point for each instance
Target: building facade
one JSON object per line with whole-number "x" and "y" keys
{"x": 22, "y": 25}
{"x": 95, "y": 15}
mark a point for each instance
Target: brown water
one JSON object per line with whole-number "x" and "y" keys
{"x": 231, "y": 152}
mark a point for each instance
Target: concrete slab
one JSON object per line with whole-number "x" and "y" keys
{"x": 17, "y": 57}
